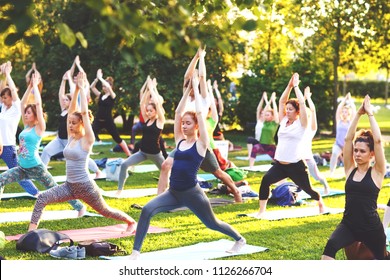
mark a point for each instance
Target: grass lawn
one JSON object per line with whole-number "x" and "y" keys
{"x": 290, "y": 239}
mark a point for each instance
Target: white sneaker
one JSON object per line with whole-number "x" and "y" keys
{"x": 237, "y": 246}
{"x": 134, "y": 255}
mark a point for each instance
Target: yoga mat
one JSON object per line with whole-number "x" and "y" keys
{"x": 62, "y": 178}
{"x": 46, "y": 215}
{"x": 98, "y": 233}
{"x": 264, "y": 157}
{"x": 303, "y": 195}
{"x": 258, "y": 168}
{"x": 213, "y": 201}
{"x": 48, "y": 133}
{"x": 102, "y": 143}
{"x": 131, "y": 193}
{"x": 7, "y": 196}
{"x": 199, "y": 251}
{"x": 206, "y": 177}
{"x": 293, "y": 213}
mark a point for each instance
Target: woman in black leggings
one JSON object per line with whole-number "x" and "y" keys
{"x": 361, "y": 221}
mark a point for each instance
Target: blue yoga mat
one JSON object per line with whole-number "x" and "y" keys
{"x": 258, "y": 158}
{"x": 303, "y": 195}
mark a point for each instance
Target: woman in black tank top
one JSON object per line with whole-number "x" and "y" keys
{"x": 361, "y": 222}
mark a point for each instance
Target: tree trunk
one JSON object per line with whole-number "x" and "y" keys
{"x": 336, "y": 62}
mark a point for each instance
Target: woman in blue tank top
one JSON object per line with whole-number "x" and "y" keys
{"x": 184, "y": 189}
{"x": 78, "y": 184}
{"x": 361, "y": 221}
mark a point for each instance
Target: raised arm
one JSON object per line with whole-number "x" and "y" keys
{"x": 157, "y": 99}
{"x": 284, "y": 98}
{"x": 41, "y": 126}
{"x": 191, "y": 67}
{"x": 10, "y": 81}
{"x": 89, "y": 135}
{"x": 259, "y": 108}
{"x": 203, "y": 140}
{"x": 202, "y": 75}
{"x": 219, "y": 97}
{"x": 145, "y": 99}
{"x": 105, "y": 83}
{"x": 348, "y": 160}
{"x": 178, "y": 133}
{"x": 301, "y": 100}
{"x": 380, "y": 160}
{"x": 61, "y": 91}
{"x": 93, "y": 84}
{"x": 274, "y": 107}
{"x": 213, "y": 107}
{"x": 312, "y": 107}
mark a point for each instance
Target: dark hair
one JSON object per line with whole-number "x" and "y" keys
{"x": 5, "y": 91}
{"x": 110, "y": 80}
{"x": 152, "y": 104}
{"x": 69, "y": 96}
{"x": 295, "y": 103}
{"x": 33, "y": 109}
{"x": 365, "y": 135}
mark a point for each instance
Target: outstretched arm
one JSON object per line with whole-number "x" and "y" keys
{"x": 213, "y": 107}
{"x": 10, "y": 81}
{"x": 191, "y": 68}
{"x": 312, "y": 107}
{"x": 41, "y": 126}
{"x": 89, "y": 135}
{"x": 157, "y": 100}
{"x": 274, "y": 107}
{"x": 203, "y": 140}
{"x": 348, "y": 160}
{"x": 380, "y": 160}
{"x": 179, "y": 112}
{"x": 202, "y": 75}
{"x": 301, "y": 100}
{"x": 284, "y": 98}
{"x": 219, "y": 97}
{"x": 93, "y": 85}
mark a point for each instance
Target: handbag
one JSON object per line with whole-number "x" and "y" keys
{"x": 41, "y": 240}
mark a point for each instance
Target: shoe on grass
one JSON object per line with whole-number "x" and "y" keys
{"x": 65, "y": 253}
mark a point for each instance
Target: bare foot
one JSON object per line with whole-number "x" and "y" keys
{"x": 131, "y": 227}
{"x": 237, "y": 246}
{"x": 118, "y": 193}
{"x": 134, "y": 255}
{"x": 326, "y": 190}
{"x": 322, "y": 207}
{"x": 260, "y": 215}
{"x": 82, "y": 211}
{"x": 98, "y": 174}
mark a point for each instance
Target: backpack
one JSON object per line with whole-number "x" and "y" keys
{"x": 41, "y": 240}
{"x": 285, "y": 194}
{"x": 113, "y": 167}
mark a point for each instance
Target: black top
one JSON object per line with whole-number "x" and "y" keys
{"x": 361, "y": 203}
{"x": 150, "y": 138}
{"x": 62, "y": 127}
{"x": 104, "y": 111}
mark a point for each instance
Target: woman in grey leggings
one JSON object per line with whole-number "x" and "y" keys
{"x": 184, "y": 189}
{"x": 78, "y": 184}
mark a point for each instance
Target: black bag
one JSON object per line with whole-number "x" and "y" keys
{"x": 101, "y": 248}
{"x": 41, "y": 240}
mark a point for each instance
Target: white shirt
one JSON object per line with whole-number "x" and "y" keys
{"x": 307, "y": 140}
{"x": 190, "y": 106}
{"x": 9, "y": 120}
{"x": 289, "y": 148}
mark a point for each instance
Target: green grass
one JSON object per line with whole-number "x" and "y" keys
{"x": 291, "y": 239}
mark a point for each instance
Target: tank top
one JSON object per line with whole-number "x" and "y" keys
{"x": 341, "y": 131}
{"x": 185, "y": 168}
{"x": 76, "y": 162}
{"x": 150, "y": 138}
{"x": 62, "y": 127}
{"x": 105, "y": 106}
{"x": 361, "y": 203}
{"x": 29, "y": 142}
{"x": 268, "y": 133}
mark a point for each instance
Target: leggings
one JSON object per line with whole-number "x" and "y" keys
{"x": 110, "y": 126}
{"x": 88, "y": 191}
{"x": 195, "y": 199}
{"x": 375, "y": 240}
{"x": 297, "y": 172}
{"x": 56, "y": 146}
{"x": 134, "y": 159}
{"x": 10, "y": 159}
{"x": 38, "y": 173}
{"x": 315, "y": 173}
